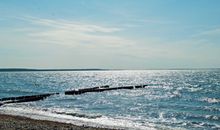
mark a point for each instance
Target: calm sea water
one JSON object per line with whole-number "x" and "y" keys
{"x": 174, "y": 99}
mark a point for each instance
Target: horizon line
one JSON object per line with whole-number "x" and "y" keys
{"x": 94, "y": 69}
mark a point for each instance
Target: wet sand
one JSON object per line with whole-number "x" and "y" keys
{"x": 8, "y": 122}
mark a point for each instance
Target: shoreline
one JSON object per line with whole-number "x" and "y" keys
{"x": 12, "y": 122}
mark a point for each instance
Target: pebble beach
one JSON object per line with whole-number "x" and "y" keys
{"x": 9, "y": 122}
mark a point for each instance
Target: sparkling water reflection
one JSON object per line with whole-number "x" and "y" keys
{"x": 187, "y": 99}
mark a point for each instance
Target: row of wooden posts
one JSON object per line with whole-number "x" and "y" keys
{"x": 38, "y": 97}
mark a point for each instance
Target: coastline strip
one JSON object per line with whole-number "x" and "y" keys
{"x": 11, "y": 122}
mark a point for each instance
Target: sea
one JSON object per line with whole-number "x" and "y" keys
{"x": 173, "y": 100}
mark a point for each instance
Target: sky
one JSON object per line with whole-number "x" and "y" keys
{"x": 110, "y": 34}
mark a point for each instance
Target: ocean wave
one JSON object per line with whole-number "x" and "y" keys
{"x": 210, "y": 100}
{"x": 80, "y": 115}
{"x": 181, "y": 120}
{"x": 18, "y": 91}
{"x": 103, "y": 121}
{"x": 202, "y": 125}
{"x": 212, "y": 109}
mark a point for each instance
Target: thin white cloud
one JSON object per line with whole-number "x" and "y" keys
{"x": 73, "y": 33}
{"x": 211, "y": 33}
{"x": 72, "y": 25}
{"x": 94, "y": 39}
{"x": 77, "y": 34}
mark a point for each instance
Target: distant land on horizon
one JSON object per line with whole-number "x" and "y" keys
{"x": 95, "y": 69}
{"x": 30, "y": 69}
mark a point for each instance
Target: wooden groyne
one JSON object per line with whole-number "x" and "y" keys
{"x": 25, "y": 98}
{"x": 101, "y": 89}
{"x": 85, "y": 90}
{"x": 32, "y": 98}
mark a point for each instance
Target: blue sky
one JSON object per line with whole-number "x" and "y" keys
{"x": 114, "y": 34}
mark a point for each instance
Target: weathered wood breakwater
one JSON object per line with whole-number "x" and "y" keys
{"x": 32, "y": 98}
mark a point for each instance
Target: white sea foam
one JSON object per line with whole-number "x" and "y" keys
{"x": 212, "y": 117}
{"x": 210, "y": 100}
{"x": 103, "y": 121}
